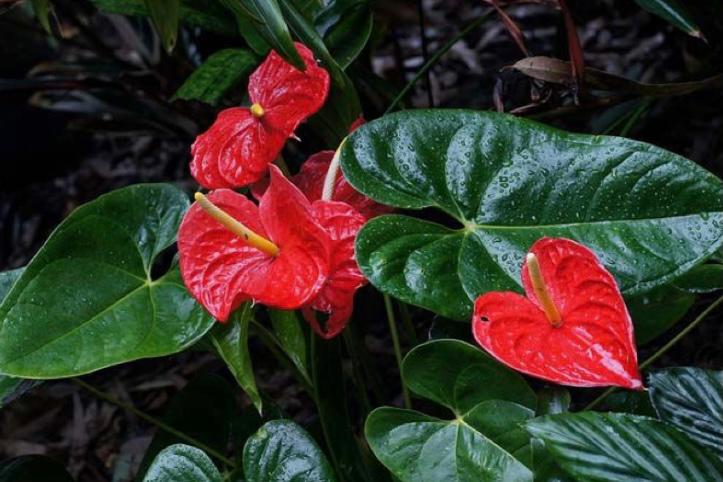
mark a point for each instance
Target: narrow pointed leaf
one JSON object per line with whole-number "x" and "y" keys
{"x": 648, "y": 214}
{"x": 691, "y": 399}
{"x": 290, "y": 334}
{"x": 182, "y": 463}
{"x": 674, "y": 13}
{"x": 218, "y": 75}
{"x": 282, "y": 451}
{"x": 165, "y": 15}
{"x": 612, "y": 447}
{"x": 42, "y": 13}
{"x": 230, "y": 340}
{"x": 88, "y": 300}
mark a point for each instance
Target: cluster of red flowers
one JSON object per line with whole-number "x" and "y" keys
{"x": 294, "y": 250}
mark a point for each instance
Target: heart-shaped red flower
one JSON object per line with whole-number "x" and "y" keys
{"x": 572, "y": 328}
{"x": 342, "y": 222}
{"x": 222, "y": 270}
{"x": 238, "y": 147}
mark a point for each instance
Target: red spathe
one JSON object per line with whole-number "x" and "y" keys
{"x": 594, "y": 346}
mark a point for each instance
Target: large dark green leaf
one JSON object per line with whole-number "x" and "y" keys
{"x": 654, "y": 312}
{"x": 691, "y": 399}
{"x": 33, "y": 468}
{"x": 290, "y": 335}
{"x": 345, "y": 26}
{"x": 705, "y": 278}
{"x": 221, "y": 72}
{"x": 182, "y": 463}
{"x": 265, "y": 17}
{"x": 674, "y": 13}
{"x": 206, "y": 14}
{"x": 595, "y": 446}
{"x": 282, "y": 451}
{"x": 204, "y": 410}
{"x": 484, "y": 441}
{"x": 230, "y": 340}
{"x": 88, "y": 299}
{"x": 165, "y": 15}
{"x": 649, "y": 214}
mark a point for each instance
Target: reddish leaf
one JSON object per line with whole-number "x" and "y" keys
{"x": 222, "y": 271}
{"x": 593, "y": 346}
{"x": 342, "y": 222}
{"x": 238, "y": 147}
{"x": 310, "y": 180}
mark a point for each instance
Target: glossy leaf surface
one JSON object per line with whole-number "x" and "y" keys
{"x": 691, "y": 399}
{"x": 612, "y": 447}
{"x": 346, "y": 26}
{"x": 484, "y": 441}
{"x": 231, "y": 343}
{"x": 182, "y": 463}
{"x": 510, "y": 181}
{"x": 282, "y": 451}
{"x": 705, "y": 278}
{"x": 290, "y": 334}
{"x": 88, "y": 300}
{"x": 217, "y": 75}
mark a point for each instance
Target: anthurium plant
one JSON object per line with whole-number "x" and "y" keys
{"x": 532, "y": 251}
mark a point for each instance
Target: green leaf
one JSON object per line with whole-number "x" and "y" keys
{"x": 613, "y": 447}
{"x": 282, "y": 451}
{"x": 204, "y": 410}
{"x": 691, "y": 399}
{"x": 42, "y": 13}
{"x": 221, "y": 72}
{"x": 674, "y": 13}
{"x": 705, "y": 278}
{"x": 182, "y": 463}
{"x": 87, "y": 300}
{"x": 206, "y": 14}
{"x": 345, "y": 26}
{"x": 265, "y": 17}
{"x": 33, "y": 468}
{"x": 165, "y": 15}
{"x": 484, "y": 441}
{"x": 7, "y": 280}
{"x": 459, "y": 376}
{"x": 552, "y": 400}
{"x": 656, "y": 311}
{"x": 649, "y": 214}
{"x": 230, "y": 340}
{"x": 291, "y": 336}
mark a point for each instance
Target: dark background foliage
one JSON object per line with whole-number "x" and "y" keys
{"x": 90, "y": 110}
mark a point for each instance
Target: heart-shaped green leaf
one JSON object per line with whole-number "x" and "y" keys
{"x": 649, "y": 214}
{"x": 484, "y": 441}
{"x": 33, "y": 468}
{"x": 282, "y": 451}
{"x": 614, "y": 447}
{"x": 691, "y": 399}
{"x": 88, "y": 300}
{"x": 182, "y": 463}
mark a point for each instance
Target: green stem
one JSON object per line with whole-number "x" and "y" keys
{"x": 434, "y": 59}
{"x": 154, "y": 421}
{"x": 662, "y": 350}
{"x": 397, "y": 347}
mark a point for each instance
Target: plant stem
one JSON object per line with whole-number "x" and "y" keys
{"x": 434, "y": 59}
{"x": 397, "y": 347}
{"x": 662, "y": 350}
{"x": 152, "y": 420}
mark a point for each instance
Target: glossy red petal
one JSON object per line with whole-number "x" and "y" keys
{"x": 298, "y": 273}
{"x": 235, "y": 150}
{"x": 214, "y": 262}
{"x": 288, "y": 95}
{"x": 594, "y": 346}
{"x": 342, "y": 222}
{"x": 310, "y": 180}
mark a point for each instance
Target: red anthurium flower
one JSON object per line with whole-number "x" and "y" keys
{"x": 572, "y": 327}
{"x": 239, "y": 146}
{"x": 342, "y": 222}
{"x": 232, "y": 251}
